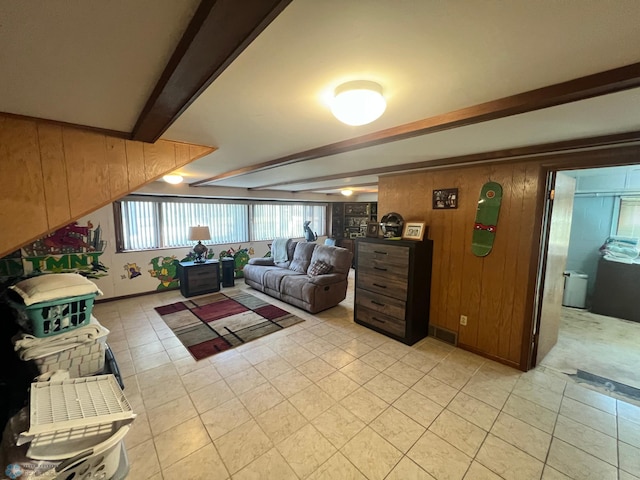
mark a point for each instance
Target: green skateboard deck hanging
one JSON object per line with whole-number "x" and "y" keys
{"x": 484, "y": 229}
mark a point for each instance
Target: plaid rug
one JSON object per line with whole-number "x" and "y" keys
{"x": 217, "y": 322}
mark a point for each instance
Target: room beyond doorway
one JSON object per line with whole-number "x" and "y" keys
{"x": 588, "y": 342}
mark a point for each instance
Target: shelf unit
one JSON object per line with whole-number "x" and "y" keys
{"x": 349, "y": 220}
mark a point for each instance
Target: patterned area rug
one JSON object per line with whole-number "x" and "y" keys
{"x": 217, "y": 322}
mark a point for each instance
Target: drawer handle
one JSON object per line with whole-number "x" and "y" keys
{"x": 380, "y": 268}
{"x": 377, "y": 303}
{"x": 378, "y": 285}
{"x": 378, "y": 320}
{"x": 381, "y": 253}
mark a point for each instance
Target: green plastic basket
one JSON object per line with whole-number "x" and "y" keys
{"x": 57, "y": 316}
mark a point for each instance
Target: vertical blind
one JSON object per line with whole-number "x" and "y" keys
{"x": 139, "y": 225}
{"x": 277, "y": 220}
{"x": 164, "y": 223}
{"x": 227, "y": 222}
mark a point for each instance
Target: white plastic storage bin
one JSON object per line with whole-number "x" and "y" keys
{"x": 575, "y": 289}
{"x": 73, "y": 351}
{"x": 74, "y": 430}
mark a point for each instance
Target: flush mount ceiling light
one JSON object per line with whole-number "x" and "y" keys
{"x": 346, "y": 193}
{"x": 173, "y": 179}
{"x": 358, "y": 102}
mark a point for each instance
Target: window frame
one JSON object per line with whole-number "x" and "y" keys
{"x": 617, "y": 210}
{"x": 118, "y": 217}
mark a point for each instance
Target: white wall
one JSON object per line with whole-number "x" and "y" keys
{"x": 122, "y": 274}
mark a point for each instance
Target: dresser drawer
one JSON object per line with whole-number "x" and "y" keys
{"x": 388, "y": 254}
{"x": 381, "y": 303}
{"x": 390, "y": 324}
{"x": 202, "y": 273}
{"x": 386, "y": 285}
{"x": 380, "y": 268}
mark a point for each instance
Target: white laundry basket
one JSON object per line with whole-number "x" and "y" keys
{"x": 78, "y": 354}
{"x": 81, "y": 423}
{"x": 98, "y": 462}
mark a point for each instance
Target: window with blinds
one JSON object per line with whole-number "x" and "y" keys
{"x": 150, "y": 223}
{"x": 271, "y": 221}
{"x": 629, "y": 217}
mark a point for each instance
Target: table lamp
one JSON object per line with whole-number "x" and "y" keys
{"x": 199, "y": 233}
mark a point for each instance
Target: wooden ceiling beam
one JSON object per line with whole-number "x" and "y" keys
{"x": 341, "y": 187}
{"x": 598, "y": 84}
{"x": 218, "y": 32}
{"x": 542, "y": 149}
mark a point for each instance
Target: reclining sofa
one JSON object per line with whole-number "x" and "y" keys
{"x": 313, "y": 277}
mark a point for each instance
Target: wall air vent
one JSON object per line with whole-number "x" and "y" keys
{"x": 443, "y": 334}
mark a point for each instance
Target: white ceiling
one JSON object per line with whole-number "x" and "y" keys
{"x": 95, "y": 63}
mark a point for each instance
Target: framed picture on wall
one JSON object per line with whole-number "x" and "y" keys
{"x": 445, "y": 198}
{"x": 413, "y": 231}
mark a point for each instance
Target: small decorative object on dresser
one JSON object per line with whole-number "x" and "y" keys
{"x": 393, "y": 282}
{"x": 373, "y": 228}
{"x": 413, "y": 231}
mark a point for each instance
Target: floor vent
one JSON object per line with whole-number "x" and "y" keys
{"x": 443, "y": 334}
{"x": 608, "y": 384}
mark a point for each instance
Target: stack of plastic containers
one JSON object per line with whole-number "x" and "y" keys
{"x": 75, "y": 425}
{"x": 60, "y": 332}
{"x": 75, "y": 431}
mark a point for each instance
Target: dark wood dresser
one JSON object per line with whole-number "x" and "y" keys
{"x": 616, "y": 290}
{"x": 393, "y": 285}
{"x": 199, "y": 278}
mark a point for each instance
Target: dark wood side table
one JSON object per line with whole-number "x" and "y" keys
{"x": 199, "y": 278}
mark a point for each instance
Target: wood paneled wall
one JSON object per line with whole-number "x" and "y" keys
{"x": 495, "y": 292}
{"x": 53, "y": 174}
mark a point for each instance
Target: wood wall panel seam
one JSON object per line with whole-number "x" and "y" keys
{"x": 86, "y": 175}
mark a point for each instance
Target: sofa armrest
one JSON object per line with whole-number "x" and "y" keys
{"x": 265, "y": 261}
{"x": 327, "y": 279}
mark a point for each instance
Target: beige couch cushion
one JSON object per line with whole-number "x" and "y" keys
{"x": 339, "y": 258}
{"x": 272, "y": 278}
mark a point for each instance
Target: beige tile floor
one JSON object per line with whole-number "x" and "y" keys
{"x": 329, "y": 399}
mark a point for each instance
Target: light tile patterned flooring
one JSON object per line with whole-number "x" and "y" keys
{"x": 329, "y": 399}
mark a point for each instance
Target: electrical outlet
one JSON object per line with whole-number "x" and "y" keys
{"x": 463, "y": 320}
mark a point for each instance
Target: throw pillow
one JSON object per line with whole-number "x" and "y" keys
{"x": 319, "y": 268}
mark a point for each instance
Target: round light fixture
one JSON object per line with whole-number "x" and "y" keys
{"x": 346, "y": 193}
{"x": 173, "y": 179}
{"x": 358, "y": 102}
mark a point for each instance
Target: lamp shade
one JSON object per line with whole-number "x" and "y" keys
{"x": 199, "y": 233}
{"x": 346, "y": 193}
{"x": 358, "y": 102}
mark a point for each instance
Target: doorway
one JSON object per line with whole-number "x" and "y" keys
{"x": 592, "y": 346}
